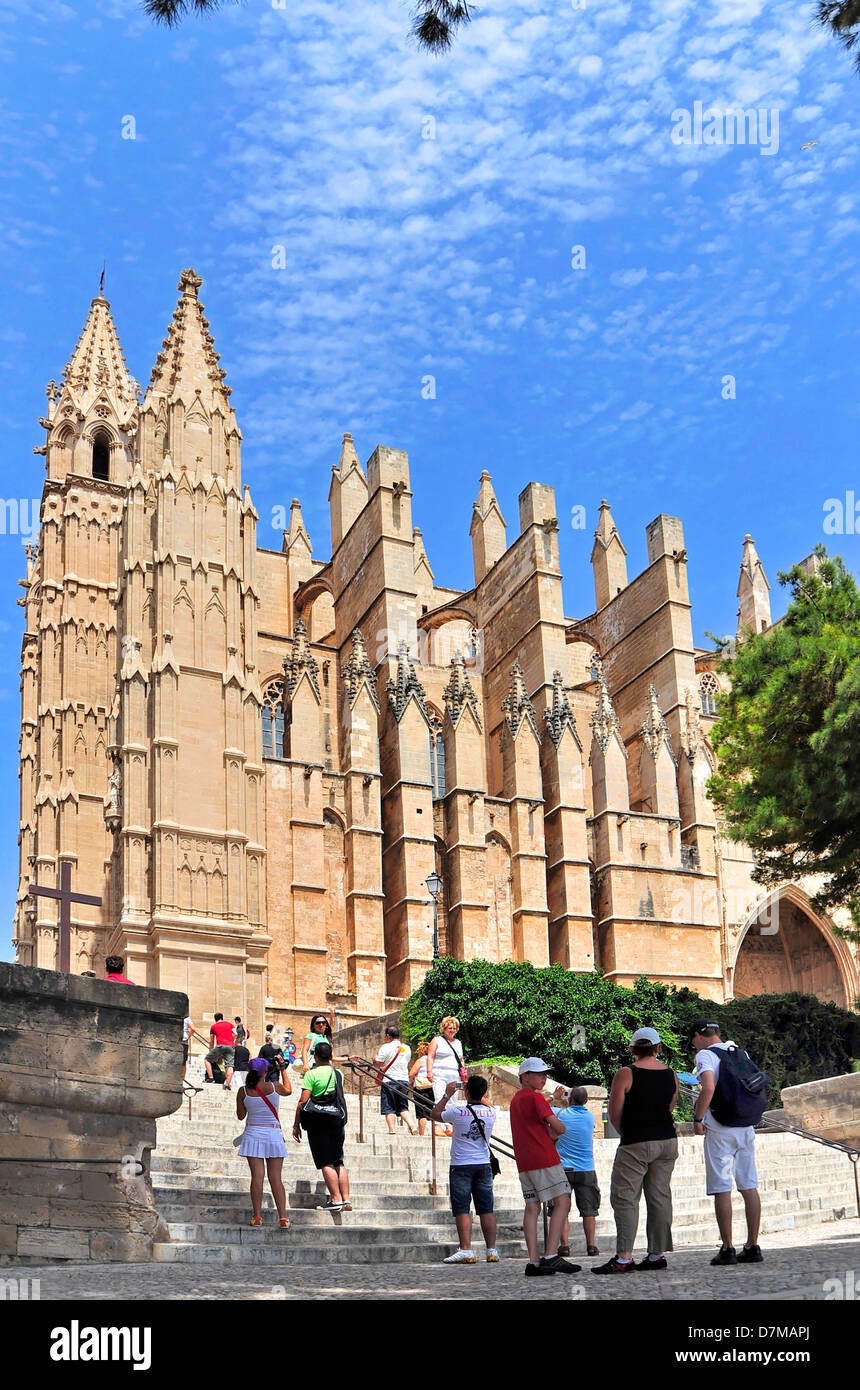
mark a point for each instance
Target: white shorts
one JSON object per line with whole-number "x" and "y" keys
{"x": 730, "y": 1153}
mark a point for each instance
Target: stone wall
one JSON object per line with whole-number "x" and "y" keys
{"x": 86, "y": 1067}
{"x": 830, "y": 1107}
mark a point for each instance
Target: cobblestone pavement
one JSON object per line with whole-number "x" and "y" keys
{"x": 797, "y": 1265}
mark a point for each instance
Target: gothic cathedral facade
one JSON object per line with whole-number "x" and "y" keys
{"x": 258, "y": 758}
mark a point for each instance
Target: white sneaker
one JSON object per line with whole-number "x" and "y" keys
{"x": 461, "y": 1257}
{"x": 493, "y": 1256}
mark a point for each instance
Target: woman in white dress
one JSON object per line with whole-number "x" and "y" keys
{"x": 262, "y": 1141}
{"x": 445, "y": 1058}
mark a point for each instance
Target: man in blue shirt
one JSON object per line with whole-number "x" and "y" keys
{"x": 576, "y": 1151}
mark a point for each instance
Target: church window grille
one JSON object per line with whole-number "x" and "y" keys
{"x": 273, "y": 720}
{"x": 708, "y": 690}
{"x": 101, "y": 457}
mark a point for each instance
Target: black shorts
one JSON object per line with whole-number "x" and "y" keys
{"x": 584, "y": 1187}
{"x": 423, "y": 1102}
{"x": 326, "y": 1142}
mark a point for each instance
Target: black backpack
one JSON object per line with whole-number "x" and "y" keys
{"x": 740, "y": 1095}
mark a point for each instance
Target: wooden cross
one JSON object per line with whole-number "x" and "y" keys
{"x": 66, "y": 898}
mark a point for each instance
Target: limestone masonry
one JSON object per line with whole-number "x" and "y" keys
{"x": 256, "y": 758}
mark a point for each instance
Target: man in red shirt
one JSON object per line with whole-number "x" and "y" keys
{"x": 220, "y": 1049}
{"x": 114, "y": 966}
{"x": 542, "y": 1176}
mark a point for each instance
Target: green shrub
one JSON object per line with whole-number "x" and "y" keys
{"x": 514, "y": 1008}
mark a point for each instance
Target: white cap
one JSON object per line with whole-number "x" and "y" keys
{"x": 648, "y": 1035}
{"x": 532, "y": 1064}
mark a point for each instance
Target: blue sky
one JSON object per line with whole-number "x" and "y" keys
{"x": 346, "y": 257}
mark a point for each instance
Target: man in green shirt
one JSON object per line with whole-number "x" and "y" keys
{"x": 325, "y": 1132}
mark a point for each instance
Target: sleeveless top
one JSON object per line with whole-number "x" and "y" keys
{"x": 258, "y": 1112}
{"x": 449, "y": 1058}
{"x": 646, "y": 1115}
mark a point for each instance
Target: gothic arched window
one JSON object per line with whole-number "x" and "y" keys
{"x": 101, "y": 456}
{"x": 709, "y": 689}
{"x": 273, "y": 720}
{"x": 437, "y": 756}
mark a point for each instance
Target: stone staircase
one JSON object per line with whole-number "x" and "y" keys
{"x": 201, "y": 1189}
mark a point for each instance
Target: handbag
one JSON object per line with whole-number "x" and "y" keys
{"x": 464, "y": 1075}
{"x": 495, "y": 1165}
{"x": 317, "y": 1109}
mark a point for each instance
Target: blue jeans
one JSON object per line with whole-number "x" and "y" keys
{"x": 470, "y": 1181}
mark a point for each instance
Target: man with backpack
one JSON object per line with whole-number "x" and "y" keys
{"x": 732, "y": 1099}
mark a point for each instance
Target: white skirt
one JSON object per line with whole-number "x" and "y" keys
{"x": 262, "y": 1141}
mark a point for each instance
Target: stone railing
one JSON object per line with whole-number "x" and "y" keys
{"x": 86, "y": 1067}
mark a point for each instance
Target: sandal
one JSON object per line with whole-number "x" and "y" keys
{"x": 256, "y": 1220}
{"x": 347, "y": 1206}
{"x": 284, "y": 1223}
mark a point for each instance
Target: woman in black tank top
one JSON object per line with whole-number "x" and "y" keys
{"x": 648, "y": 1105}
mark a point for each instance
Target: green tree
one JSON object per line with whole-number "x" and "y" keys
{"x": 788, "y": 738}
{"x": 434, "y": 22}
{"x": 842, "y": 18}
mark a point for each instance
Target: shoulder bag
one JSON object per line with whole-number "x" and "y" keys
{"x": 495, "y": 1165}
{"x": 333, "y": 1111}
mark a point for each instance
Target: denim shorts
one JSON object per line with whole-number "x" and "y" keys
{"x": 394, "y": 1097}
{"x": 471, "y": 1181}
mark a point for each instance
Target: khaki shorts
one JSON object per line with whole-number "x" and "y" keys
{"x": 543, "y": 1184}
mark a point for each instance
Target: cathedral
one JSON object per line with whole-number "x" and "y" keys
{"x": 291, "y": 780}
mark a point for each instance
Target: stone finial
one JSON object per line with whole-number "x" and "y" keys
{"x": 297, "y": 529}
{"x": 348, "y": 459}
{"x": 604, "y": 720}
{"x": 358, "y": 670}
{"x": 189, "y": 282}
{"x": 691, "y": 738}
{"x": 560, "y": 716}
{"x": 301, "y": 661}
{"x": 406, "y": 687}
{"x": 517, "y": 705}
{"x": 655, "y": 733}
{"x": 459, "y": 692}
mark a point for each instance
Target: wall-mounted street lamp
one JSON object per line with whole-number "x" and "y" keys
{"x": 433, "y": 884}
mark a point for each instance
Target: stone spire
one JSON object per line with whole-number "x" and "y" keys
{"x": 297, "y": 531}
{"x": 604, "y": 720}
{"x": 655, "y": 732}
{"x": 301, "y": 661}
{"x": 488, "y": 529}
{"x": 347, "y": 495}
{"x": 97, "y": 364}
{"x": 187, "y": 365}
{"x": 348, "y": 458}
{"x": 691, "y": 737}
{"x": 406, "y": 687}
{"x": 517, "y": 705}
{"x": 358, "y": 670}
{"x": 560, "y": 716}
{"x": 609, "y": 559}
{"x": 753, "y": 593}
{"x": 459, "y": 692}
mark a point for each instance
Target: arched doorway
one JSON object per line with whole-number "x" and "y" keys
{"x": 787, "y": 947}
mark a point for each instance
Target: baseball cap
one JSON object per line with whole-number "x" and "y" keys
{"x": 532, "y": 1064}
{"x": 646, "y": 1035}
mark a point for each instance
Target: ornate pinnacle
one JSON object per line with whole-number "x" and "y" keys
{"x": 604, "y": 720}
{"x": 459, "y": 692}
{"x": 407, "y": 686}
{"x": 560, "y": 717}
{"x": 300, "y": 661}
{"x": 516, "y": 705}
{"x": 691, "y": 739}
{"x": 358, "y": 669}
{"x": 654, "y": 731}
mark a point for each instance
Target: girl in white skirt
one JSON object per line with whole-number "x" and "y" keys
{"x": 262, "y": 1142}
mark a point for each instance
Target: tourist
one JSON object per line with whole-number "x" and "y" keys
{"x": 641, "y": 1100}
{"x": 114, "y": 967}
{"x": 242, "y": 1035}
{"x": 445, "y": 1058}
{"x": 262, "y": 1141}
{"x": 319, "y": 1032}
{"x": 322, "y": 1085}
{"x": 220, "y": 1049}
{"x": 729, "y": 1150}
{"x": 393, "y": 1060}
{"x": 422, "y": 1089}
{"x": 470, "y": 1175}
{"x": 187, "y": 1030}
{"x": 241, "y": 1063}
{"x": 272, "y": 1054}
{"x": 576, "y": 1151}
{"x": 534, "y": 1129}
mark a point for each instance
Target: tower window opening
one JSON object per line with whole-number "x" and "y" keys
{"x": 101, "y": 457}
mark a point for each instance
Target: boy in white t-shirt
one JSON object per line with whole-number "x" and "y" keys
{"x": 470, "y": 1176}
